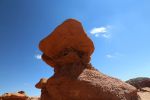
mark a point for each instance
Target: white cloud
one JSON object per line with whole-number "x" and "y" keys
{"x": 101, "y": 31}
{"x": 114, "y": 55}
{"x": 38, "y": 56}
{"x": 98, "y": 30}
{"x": 109, "y": 56}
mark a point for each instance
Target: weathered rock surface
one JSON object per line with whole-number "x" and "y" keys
{"x": 15, "y": 96}
{"x": 89, "y": 85}
{"x": 68, "y": 43}
{"x": 68, "y": 49}
{"x": 139, "y": 82}
{"x": 42, "y": 85}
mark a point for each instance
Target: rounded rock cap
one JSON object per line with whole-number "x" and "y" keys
{"x": 42, "y": 83}
{"x": 69, "y": 35}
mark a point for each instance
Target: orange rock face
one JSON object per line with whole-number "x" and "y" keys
{"x": 90, "y": 84}
{"x": 66, "y": 44}
{"x": 68, "y": 50}
{"x": 42, "y": 85}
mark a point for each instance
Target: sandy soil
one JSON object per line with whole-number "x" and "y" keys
{"x": 145, "y": 95}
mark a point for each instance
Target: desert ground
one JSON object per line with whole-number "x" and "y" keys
{"x": 145, "y": 95}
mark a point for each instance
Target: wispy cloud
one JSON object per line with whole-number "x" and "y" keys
{"x": 113, "y": 55}
{"x": 109, "y": 56}
{"x": 38, "y": 56}
{"x": 101, "y": 31}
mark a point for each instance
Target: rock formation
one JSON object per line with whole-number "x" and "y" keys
{"x": 139, "y": 82}
{"x": 68, "y": 50}
{"x": 15, "y": 96}
{"x": 42, "y": 85}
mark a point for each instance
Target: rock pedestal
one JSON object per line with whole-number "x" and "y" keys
{"x": 68, "y": 50}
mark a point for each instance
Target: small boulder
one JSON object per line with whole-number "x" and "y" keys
{"x": 139, "y": 82}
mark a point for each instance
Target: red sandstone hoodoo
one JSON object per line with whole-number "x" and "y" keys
{"x": 68, "y": 50}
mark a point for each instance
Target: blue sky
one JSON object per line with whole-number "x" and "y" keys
{"x": 119, "y": 29}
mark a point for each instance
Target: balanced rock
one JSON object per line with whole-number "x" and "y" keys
{"x": 68, "y": 50}
{"x": 66, "y": 44}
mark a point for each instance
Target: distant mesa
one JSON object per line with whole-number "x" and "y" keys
{"x": 68, "y": 50}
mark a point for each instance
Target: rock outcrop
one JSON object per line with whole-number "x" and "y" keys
{"x": 139, "y": 82}
{"x": 42, "y": 85}
{"x": 68, "y": 43}
{"x": 68, "y": 50}
{"x": 15, "y": 96}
